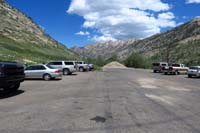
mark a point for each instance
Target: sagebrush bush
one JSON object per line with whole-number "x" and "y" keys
{"x": 137, "y": 60}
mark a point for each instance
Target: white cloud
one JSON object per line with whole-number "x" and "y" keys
{"x": 82, "y": 33}
{"x": 165, "y": 19}
{"x": 103, "y": 38}
{"x": 192, "y": 1}
{"x": 123, "y": 19}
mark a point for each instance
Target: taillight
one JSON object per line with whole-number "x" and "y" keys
{"x": 58, "y": 71}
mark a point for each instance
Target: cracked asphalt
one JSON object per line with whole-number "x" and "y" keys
{"x": 111, "y": 101}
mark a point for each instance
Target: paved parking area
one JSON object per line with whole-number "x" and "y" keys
{"x": 112, "y": 101}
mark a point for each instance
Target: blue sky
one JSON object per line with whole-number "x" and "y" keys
{"x": 82, "y": 22}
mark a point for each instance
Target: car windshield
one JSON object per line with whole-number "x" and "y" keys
{"x": 156, "y": 64}
{"x": 195, "y": 68}
{"x": 164, "y": 65}
{"x": 50, "y": 67}
{"x": 176, "y": 65}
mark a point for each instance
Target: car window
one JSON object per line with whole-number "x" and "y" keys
{"x": 36, "y": 68}
{"x": 195, "y": 68}
{"x": 30, "y": 68}
{"x": 176, "y": 65}
{"x": 50, "y": 67}
{"x": 40, "y": 68}
{"x": 156, "y": 64}
{"x": 69, "y": 63}
{"x": 55, "y": 63}
{"x": 163, "y": 64}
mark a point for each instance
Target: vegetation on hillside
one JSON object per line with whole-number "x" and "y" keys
{"x": 186, "y": 53}
{"x": 100, "y": 62}
{"x": 32, "y": 53}
{"x": 137, "y": 60}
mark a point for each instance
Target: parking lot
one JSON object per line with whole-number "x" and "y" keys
{"x": 109, "y": 101}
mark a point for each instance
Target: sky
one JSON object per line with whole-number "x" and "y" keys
{"x": 83, "y": 22}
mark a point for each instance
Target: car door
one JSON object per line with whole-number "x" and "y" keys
{"x": 30, "y": 72}
{"x": 70, "y": 65}
{"x": 40, "y": 71}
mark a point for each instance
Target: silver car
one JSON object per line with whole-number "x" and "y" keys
{"x": 43, "y": 72}
{"x": 194, "y": 71}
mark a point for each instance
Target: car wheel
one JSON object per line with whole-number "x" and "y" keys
{"x": 81, "y": 69}
{"x": 165, "y": 73}
{"x": 66, "y": 72}
{"x": 176, "y": 73}
{"x": 189, "y": 76}
{"x": 12, "y": 88}
{"x": 47, "y": 77}
{"x": 154, "y": 71}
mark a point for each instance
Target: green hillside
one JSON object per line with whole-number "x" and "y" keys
{"x": 32, "y": 53}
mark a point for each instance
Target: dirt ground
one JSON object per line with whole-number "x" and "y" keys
{"x": 114, "y": 65}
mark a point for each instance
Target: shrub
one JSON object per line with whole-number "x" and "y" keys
{"x": 137, "y": 60}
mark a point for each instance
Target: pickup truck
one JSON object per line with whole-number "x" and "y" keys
{"x": 82, "y": 66}
{"x": 11, "y": 75}
{"x": 175, "y": 69}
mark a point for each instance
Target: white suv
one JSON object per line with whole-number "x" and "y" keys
{"x": 68, "y": 67}
{"x": 82, "y": 66}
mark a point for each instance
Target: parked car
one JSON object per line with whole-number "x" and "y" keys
{"x": 11, "y": 75}
{"x": 82, "y": 66}
{"x": 42, "y": 72}
{"x": 68, "y": 67}
{"x": 175, "y": 69}
{"x": 91, "y": 67}
{"x": 194, "y": 71}
{"x": 158, "y": 67}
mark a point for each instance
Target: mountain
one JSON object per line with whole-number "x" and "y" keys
{"x": 23, "y": 40}
{"x": 181, "y": 44}
{"x": 105, "y": 50}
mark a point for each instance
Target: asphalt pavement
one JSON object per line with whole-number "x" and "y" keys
{"x": 109, "y": 101}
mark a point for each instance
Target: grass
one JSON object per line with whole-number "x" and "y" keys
{"x": 38, "y": 53}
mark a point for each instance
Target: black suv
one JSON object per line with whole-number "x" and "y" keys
{"x": 11, "y": 75}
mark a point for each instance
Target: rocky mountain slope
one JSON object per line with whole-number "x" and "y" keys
{"x": 181, "y": 44}
{"x": 22, "y": 39}
{"x": 105, "y": 50}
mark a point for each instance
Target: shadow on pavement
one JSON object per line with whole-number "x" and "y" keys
{"x": 42, "y": 80}
{"x": 74, "y": 74}
{"x": 4, "y": 95}
{"x": 193, "y": 78}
